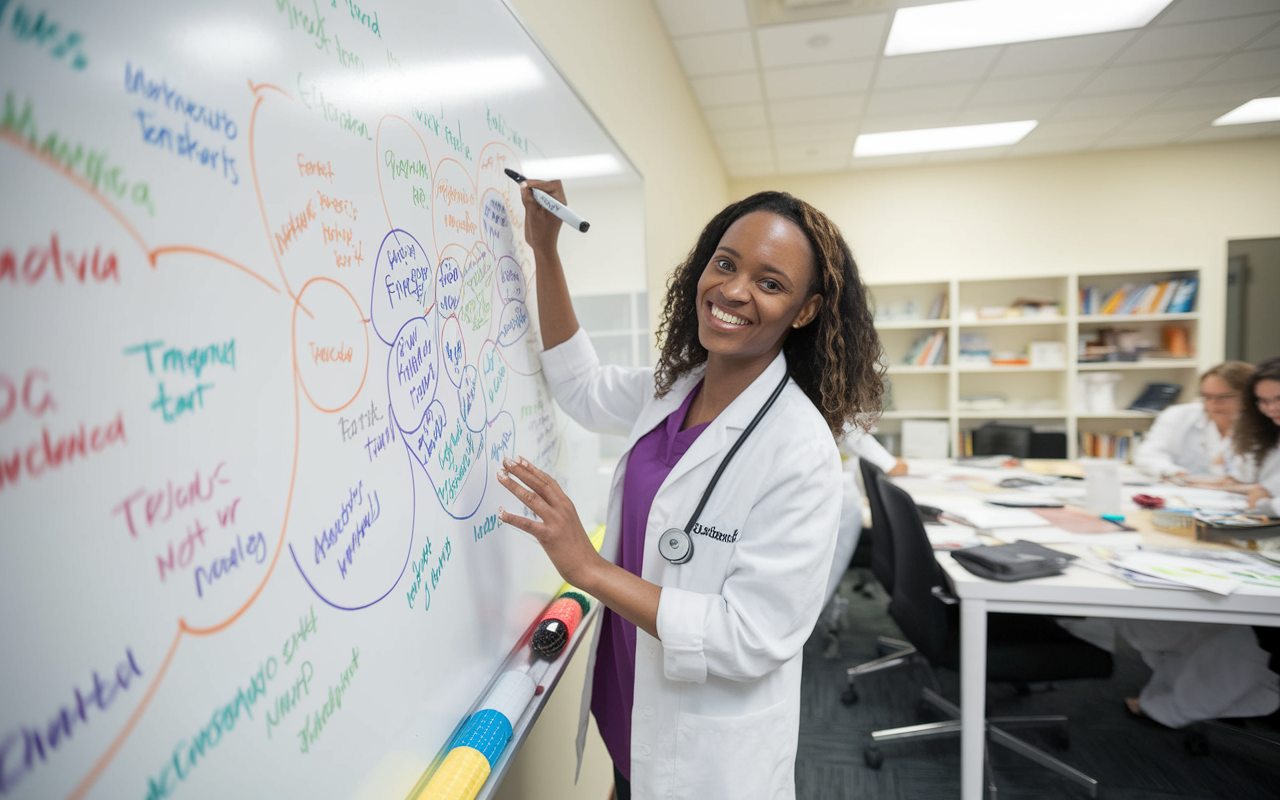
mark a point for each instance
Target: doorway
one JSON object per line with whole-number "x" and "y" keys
{"x": 1252, "y": 330}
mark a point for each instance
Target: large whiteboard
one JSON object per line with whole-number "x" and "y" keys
{"x": 265, "y": 330}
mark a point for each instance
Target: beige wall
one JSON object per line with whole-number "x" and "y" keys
{"x": 617, "y": 55}
{"x": 1110, "y": 211}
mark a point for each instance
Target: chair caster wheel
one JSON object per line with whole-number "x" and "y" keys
{"x": 873, "y": 757}
{"x": 1060, "y": 738}
{"x": 849, "y": 696}
{"x": 1196, "y": 744}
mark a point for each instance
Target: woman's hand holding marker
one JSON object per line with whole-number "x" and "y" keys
{"x": 558, "y": 528}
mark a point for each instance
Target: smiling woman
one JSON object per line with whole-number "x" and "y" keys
{"x": 726, "y": 503}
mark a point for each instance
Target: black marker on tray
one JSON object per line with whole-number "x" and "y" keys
{"x": 551, "y": 204}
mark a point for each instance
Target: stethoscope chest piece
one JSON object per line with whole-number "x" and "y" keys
{"x": 675, "y": 546}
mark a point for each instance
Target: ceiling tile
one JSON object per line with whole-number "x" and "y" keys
{"x": 1072, "y": 129}
{"x": 1217, "y": 95}
{"x": 820, "y": 132}
{"x": 752, "y": 171}
{"x": 847, "y": 38}
{"x": 923, "y": 69}
{"x": 839, "y": 150}
{"x": 846, "y": 77}
{"x": 744, "y": 154}
{"x": 917, "y": 101}
{"x": 684, "y": 18}
{"x": 1197, "y": 39}
{"x": 1246, "y": 66}
{"x": 1236, "y": 132}
{"x": 1031, "y": 88}
{"x": 749, "y": 162}
{"x": 1122, "y": 140}
{"x": 1058, "y": 55}
{"x": 1118, "y": 107}
{"x": 716, "y": 53}
{"x": 974, "y": 154}
{"x": 816, "y": 109}
{"x": 1185, "y": 120}
{"x": 1198, "y": 10}
{"x": 727, "y": 90}
{"x": 811, "y": 166}
{"x": 742, "y": 140}
{"x": 980, "y": 115}
{"x": 910, "y": 122}
{"x": 1141, "y": 77}
{"x": 726, "y": 118}
{"x": 1270, "y": 39}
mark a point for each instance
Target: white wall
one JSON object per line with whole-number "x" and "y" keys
{"x": 1110, "y": 211}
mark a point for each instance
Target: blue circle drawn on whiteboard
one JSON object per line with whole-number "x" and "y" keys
{"x": 413, "y": 371}
{"x": 404, "y": 284}
{"x": 355, "y": 604}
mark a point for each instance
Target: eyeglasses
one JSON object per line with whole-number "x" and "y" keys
{"x": 1219, "y": 398}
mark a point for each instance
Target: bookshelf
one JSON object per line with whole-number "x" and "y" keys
{"x": 986, "y": 371}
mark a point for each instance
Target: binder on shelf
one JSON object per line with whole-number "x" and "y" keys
{"x": 1156, "y": 397}
{"x": 1185, "y": 298}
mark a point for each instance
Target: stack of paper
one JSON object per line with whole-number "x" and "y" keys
{"x": 1218, "y": 571}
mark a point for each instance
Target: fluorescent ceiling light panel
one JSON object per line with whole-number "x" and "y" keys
{"x": 978, "y": 23}
{"x": 928, "y": 140}
{"x": 1262, "y": 109}
{"x": 572, "y": 167}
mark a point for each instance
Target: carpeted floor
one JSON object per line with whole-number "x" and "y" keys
{"x": 1131, "y": 758}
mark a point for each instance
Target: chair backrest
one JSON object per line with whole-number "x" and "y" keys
{"x": 878, "y": 534}
{"x": 921, "y": 615}
{"x": 1002, "y": 439}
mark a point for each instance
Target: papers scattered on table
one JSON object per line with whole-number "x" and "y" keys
{"x": 1218, "y": 571}
{"x": 1052, "y": 534}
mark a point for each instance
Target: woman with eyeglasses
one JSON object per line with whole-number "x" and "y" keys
{"x": 1194, "y": 439}
{"x": 1205, "y": 670}
{"x": 1256, "y": 441}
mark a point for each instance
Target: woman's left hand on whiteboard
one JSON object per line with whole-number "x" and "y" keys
{"x": 558, "y": 528}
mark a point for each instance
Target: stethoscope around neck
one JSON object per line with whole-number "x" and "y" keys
{"x": 676, "y": 545}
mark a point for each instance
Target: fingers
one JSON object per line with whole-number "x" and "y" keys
{"x": 530, "y": 498}
{"x": 553, "y": 188}
{"x": 534, "y": 478}
{"x": 529, "y": 526}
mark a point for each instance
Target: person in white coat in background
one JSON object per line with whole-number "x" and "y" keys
{"x": 1194, "y": 439}
{"x": 1204, "y": 670}
{"x": 767, "y": 341}
{"x": 855, "y": 444}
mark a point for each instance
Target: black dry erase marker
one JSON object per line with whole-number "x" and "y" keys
{"x": 551, "y": 204}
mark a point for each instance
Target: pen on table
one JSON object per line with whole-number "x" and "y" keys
{"x": 551, "y": 204}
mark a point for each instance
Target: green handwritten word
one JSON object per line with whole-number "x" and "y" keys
{"x": 291, "y": 698}
{"x": 454, "y": 138}
{"x": 190, "y": 753}
{"x": 406, "y": 168}
{"x": 429, "y": 120}
{"x": 313, "y": 98}
{"x": 497, "y": 124}
{"x": 348, "y": 58}
{"x": 44, "y": 31}
{"x": 106, "y": 179}
{"x": 316, "y": 721}
{"x": 370, "y": 22}
{"x": 300, "y": 20}
{"x": 192, "y": 362}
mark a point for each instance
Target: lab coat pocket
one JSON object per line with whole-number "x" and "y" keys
{"x": 747, "y": 756}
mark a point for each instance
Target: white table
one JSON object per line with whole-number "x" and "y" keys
{"x": 1077, "y": 592}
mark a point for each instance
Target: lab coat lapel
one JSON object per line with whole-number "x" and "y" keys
{"x": 724, "y": 429}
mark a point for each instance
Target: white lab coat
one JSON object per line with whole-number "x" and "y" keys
{"x": 1183, "y": 439}
{"x": 717, "y": 696}
{"x": 1245, "y": 470}
{"x": 855, "y": 444}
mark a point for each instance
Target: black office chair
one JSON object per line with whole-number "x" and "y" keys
{"x": 893, "y": 652}
{"x": 1021, "y": 649}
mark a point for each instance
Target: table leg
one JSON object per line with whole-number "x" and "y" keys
{"x": 973, "y": 700}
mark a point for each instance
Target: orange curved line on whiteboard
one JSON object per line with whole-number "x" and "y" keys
{"x": 377, "y": 135}
{"x": 177, "y": 248}
{"x": 257, "y": 190}
{"x": 23, "y": 144}
{"x": 284, "y": 525}
{"x": 95, "y": 772}
{"x": 293, "y": 339}
{"x": 256, "y": 87}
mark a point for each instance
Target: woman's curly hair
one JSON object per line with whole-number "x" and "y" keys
{"x": 835, "y": 359}
{"x": 1254, "y": 433}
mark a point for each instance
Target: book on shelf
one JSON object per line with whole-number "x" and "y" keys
{"x": 1118, "y": 445}
{"x": 927, "y": 351}
{"x": 939, "y": 310}
{"x": 1172, "y": 296}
